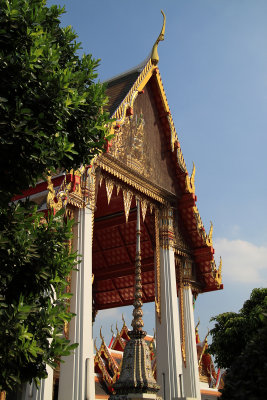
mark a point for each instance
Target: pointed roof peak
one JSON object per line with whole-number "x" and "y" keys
{"x": 137, "y": 69}
{"x": 154, "y": 54}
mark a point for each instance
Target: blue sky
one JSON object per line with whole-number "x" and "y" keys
{"x": 213, "y": 65}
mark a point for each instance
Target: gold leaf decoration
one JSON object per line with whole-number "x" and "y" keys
{"x": 144, "y": 208}
{"x": 127, "y": 201}
{"x": 109, "y": 188}
{"x": 118, "y": 189}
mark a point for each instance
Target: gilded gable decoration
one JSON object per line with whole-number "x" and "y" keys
{"x": 130, "y": 147}
{"x": 53, "y": 202}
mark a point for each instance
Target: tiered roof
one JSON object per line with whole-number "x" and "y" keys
{"x": 108, "y": 361}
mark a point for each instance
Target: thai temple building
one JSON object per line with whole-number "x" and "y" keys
{"x": 142, "y": 240}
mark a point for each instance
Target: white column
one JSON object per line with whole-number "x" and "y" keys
{"x": 169, "y": 360}
{"x": 45, "y": 390}
{"x": 191, "y": 375}
{"x": 76, "y": 380}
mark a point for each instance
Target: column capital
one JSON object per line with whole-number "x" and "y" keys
{"x": 187, "y": 272}
{"x": 166, "y": 227}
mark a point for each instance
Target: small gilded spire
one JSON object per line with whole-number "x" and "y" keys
{"x": 219, "y": 273}
{"x": 117, "y": 329}
{"x": 96, "y": 349}
{"x": 101, "y": 336}
{"x": 192, "y": 178}
{"x": 154, "y": 53}
{"x": 111, "y": 328}
{"x": 210, "y": 232}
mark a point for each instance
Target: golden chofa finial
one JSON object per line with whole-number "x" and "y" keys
{"x": 154, "y": 53}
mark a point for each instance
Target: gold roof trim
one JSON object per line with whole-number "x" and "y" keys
{"x": 139, "y": 84}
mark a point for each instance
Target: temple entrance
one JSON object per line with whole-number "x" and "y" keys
{"x": 114, "y": 247}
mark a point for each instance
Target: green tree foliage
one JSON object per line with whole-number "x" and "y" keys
{"x": 246, "y": 379}
{"x": 51, "y": 118}
{"x": 51, "y": 109}
{"x": 239, "y": 343}
{"x": 34, "y": 263}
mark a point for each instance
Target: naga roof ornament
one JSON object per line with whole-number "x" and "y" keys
{"x": 154, "y": 54}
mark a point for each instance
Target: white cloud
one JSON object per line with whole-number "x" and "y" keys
{"x": 243, "y": 261}
{"x": 113, "y": 313}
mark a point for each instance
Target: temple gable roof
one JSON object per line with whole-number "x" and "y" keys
{"x": 161, "y": 160}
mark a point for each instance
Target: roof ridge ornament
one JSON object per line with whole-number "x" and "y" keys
{"x": 101, "y": 336}
{"x": 210, "y": 233}
{"x": 154, "y": 54}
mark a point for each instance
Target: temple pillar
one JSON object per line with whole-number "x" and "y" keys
{"x": 169, "y": 360}
{"x": 190, "y": 369}
{"x": 76, "y": 380}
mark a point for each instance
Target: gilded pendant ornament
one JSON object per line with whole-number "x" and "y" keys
{"x": 127, "y": 201}
{"x": 118, "y": 189}
{"x": 144, "y": 208}
{"x": 128, "y": 195}
{"x": 109, "y": 188}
